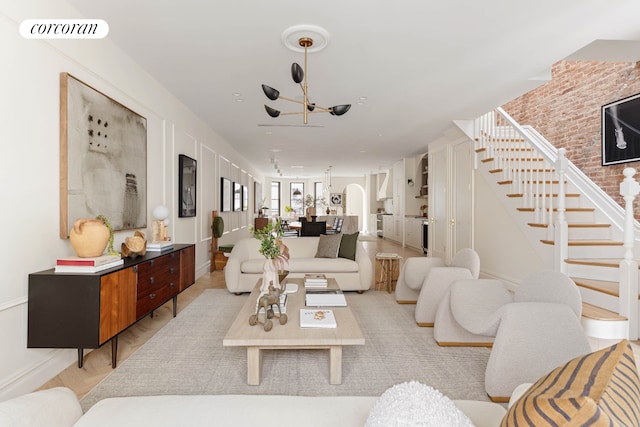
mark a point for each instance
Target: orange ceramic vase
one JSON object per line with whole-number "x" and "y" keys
{"x": 89, "y": 237}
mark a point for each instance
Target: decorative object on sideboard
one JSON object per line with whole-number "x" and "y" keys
{"x": 103, "y": 158}
{"x": 187, "y": 186}
{"x": 159, "y": 225}
{"x": 134, "y": 246}
{"x": 301, "y": 39}
{"x": 89, "y": 237}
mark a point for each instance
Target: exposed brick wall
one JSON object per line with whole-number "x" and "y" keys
{"x": 567, "y": 112}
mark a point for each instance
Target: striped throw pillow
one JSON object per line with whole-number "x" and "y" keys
{"x": 597, "y": 389}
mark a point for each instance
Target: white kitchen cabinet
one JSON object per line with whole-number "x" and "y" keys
{"x": 413, "y": 233}
{"x": 388, "y": 227}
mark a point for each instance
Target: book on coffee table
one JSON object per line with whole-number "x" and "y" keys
{"x": 317, "y": 318}
{"x": 315, "y": 280}
{"x": 325, "y": 298}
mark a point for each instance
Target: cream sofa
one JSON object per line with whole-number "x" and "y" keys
{"x": 245, "y": 265}
{"x": 59, "y": 407}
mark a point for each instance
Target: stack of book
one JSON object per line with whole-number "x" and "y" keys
{"x": 315, "y": 280}
{"x": 75, "y": 264}
{"x": 159, "y": 246}
{"x": 317, "y": 319}
{"x": 283, "y": 305}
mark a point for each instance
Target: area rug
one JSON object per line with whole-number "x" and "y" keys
{"x": 187, "y": 357}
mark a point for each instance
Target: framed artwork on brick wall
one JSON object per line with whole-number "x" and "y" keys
{"x": 103, "y": 158}
{"x": 621, "y": 131}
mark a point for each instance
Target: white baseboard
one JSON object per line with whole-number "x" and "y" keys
{"x": 33, "y": 377}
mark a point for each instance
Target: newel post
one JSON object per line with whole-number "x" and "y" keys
{"x": 628, "y": 300}
{"x": 561, "y": 229}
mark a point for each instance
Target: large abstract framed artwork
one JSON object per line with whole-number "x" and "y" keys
{"x": 103, "y": 158}
{"x": 187, "y": 184}
{"x": 225, "y": 195}
{"x": 621, "y": 131}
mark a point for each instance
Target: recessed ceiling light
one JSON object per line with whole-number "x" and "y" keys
{"x": 237, "y": 94}
{"x": 363, "y": 98}
{"x": 239, "y": 100}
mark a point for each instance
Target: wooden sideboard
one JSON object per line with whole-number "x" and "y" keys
{"x": 75, "y": 310}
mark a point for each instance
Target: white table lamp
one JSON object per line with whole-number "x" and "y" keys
{"x": 159, "y": 226}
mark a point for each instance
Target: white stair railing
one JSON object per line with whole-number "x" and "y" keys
{"x": 628, "y": 291}
{"x": 561, "y": 237}
{"x": 518, "y": 156}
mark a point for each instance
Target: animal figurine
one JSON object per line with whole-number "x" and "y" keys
{"x": 267, "y": 301}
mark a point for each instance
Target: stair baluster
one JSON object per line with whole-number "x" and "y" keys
{"x": 628, "y": 300}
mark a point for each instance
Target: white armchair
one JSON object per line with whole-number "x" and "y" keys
{"x": 464, "y": 265}
{"x": 412, "y": 275}
{"x": 536, "y": 328}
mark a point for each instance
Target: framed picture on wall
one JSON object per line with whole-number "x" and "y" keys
{"x": 237, "y": 196}
{"x": 187, "y": 186}
{"x": 103, "y": 158}
{"x": 225, "y": 195}
{"x": 336, "y": 199}
{"x": 245, "y": 198}
{"x": 621, "y": 131}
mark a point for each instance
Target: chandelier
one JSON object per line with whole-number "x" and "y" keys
{"x": 299, "y": 76}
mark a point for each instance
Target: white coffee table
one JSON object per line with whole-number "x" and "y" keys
{"x": 291, "y": 336}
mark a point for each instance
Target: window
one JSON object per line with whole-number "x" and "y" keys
{"x": 317, "y": 194}
{"x": 297, "y": 195}
{"x": 275, "y": 198}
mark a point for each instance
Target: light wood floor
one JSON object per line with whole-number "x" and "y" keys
{"x": 97, "y": 363}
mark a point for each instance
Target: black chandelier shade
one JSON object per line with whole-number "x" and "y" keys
{"x": 271, "y": 93}
{"x": 298, "y": 75}
{"x": 339, "y": 110}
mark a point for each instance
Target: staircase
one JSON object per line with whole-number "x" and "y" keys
{"x": 570, "y": 221}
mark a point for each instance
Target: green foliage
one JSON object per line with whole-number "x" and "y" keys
{"x": 271, "y": 244}
{"x": 110, "y": 249}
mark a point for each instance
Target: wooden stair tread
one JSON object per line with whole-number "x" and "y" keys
{"x": 574, "y": 225}
{"x": 604, "y": 286}
{"x": 586, "y": 242}
{"x": 540, "y": 195}
{"x": 597, "y": 313}
{"x": 555, "y": 209}
{"x": 597, "y": 262}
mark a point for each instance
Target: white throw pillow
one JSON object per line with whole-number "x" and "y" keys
{"x": 415, "y": 404}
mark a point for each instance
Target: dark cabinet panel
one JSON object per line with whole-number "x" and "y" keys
{"x": 73, "y": 310}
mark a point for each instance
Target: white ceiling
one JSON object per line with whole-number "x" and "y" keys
{"x": 420, "y": 64}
